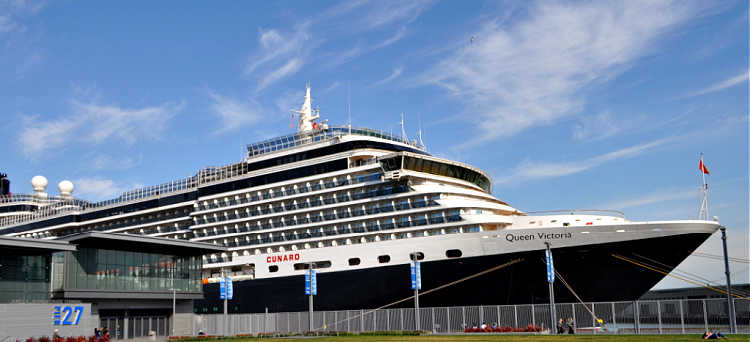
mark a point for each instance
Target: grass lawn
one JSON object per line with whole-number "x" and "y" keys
{"x": 504, "y": 338}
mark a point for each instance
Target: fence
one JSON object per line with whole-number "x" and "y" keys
{"x": 640, "y": 317}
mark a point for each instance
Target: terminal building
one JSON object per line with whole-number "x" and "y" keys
{"x": 132, "y": 285}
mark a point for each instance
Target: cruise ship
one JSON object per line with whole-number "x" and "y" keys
{"x": 358, "y": 205}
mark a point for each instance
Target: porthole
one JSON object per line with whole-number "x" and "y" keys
{"x": 273, "y": 268}
{"x": 453, "y": 253}
{"x": 384, "y": 259}
{"x": 354, "y": 261}
{"x": 420, "y": 256}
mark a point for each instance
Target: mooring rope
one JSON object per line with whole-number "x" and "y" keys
{"x": 514, "y": 261}
{"x": 674, "y": 276}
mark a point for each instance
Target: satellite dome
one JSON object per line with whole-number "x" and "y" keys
{"x": 39, "y": 183}
{"x": 66, "y": 188}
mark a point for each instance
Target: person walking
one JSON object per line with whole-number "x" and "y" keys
{"x": 571, "y": 326}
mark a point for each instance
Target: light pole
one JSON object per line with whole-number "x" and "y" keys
{"x": 730, "y": 300}
{"x": 550, "y": 281}
{"x": 174, "y": 298}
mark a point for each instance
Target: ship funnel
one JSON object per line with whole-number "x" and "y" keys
{"x": 39, "y": 184}
{"x": 4, "y": 185}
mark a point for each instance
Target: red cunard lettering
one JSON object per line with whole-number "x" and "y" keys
{"x": 282, "y": 257}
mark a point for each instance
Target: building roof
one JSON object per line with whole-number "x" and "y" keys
{"x": 139, "y": 243}
{"x": 36, "y": 245}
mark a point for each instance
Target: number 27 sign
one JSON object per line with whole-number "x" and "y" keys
{"x": 67, "y": 315}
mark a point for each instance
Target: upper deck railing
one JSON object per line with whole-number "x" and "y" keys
{"x": 301, "y": 139}
{"x": 55, "y": 205}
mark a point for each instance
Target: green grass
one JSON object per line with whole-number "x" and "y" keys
{"x": 504, "y": 338}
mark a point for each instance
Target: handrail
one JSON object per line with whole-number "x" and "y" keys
{"x": 574, "y": 211}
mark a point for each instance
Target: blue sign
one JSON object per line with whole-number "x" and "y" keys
{"x": 416, "y": 275}
{"x": 230, "y": 288}
{"x": 311, "y": 283}
{"x": 550, "y": 267}
{"x": 222, "y": 289}
{"x": 67, "y": 315}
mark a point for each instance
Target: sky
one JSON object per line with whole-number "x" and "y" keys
{"x": 592, "y": 104}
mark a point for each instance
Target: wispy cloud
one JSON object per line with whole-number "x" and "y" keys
{"x": 530, "y": 170}
{"x": 12, "y": 13}
{"x": 396, "y": 73}
{"x": 331, "y": 87}
{"x": 663, "y": 195}
{"x": 739, "y": 79}
{"x": 92, "y": 122}
{"x": 234, "y": 114}
{"x": 283, "y": 54}
{"x": 535, "y": 70}
{"x": 600, "y": 126}
{"x": 97, "y": 189}
{"x": 100, "y": 162}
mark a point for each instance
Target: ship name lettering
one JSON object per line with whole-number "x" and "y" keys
{"x": 549, "y": 236}
{"x": 282, "y": 258}
{"x": 514, "y": 238}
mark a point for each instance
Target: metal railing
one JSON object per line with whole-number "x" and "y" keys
{"x": 301, "y": 139}
{"x": 685, "y": 316}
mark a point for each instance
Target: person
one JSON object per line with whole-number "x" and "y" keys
{"x": 105, "y": 332}
{"x": 560, "y": 327}
{"x": 56, "y": 334}
{"x": 201, "y": 333}
{"x": 710, "y": 335}
{"x": 483, "y": 326}
{"x": 97, "y": 333}
{"x": 494, "y": 325}
{"x": 571, "y": 326}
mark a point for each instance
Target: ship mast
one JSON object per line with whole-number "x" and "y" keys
{"x": 306, "y": 114}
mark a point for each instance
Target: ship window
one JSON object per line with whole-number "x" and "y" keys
{"x": 384, "y": 259}
{"x": 354, "y": 261}
{"x": 420, "y": 256}
{"x": 273, "y": 268}
{"x": 453, "y": 253}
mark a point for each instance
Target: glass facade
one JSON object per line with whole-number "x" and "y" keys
{"x": 114, "y": 270}
{"x": 24, "y": 278}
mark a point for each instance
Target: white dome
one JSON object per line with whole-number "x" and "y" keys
{"x": 65, "y": 187}
{"x": 39, "y": 183}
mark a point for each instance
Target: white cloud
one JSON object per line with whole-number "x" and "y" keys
{"x": 537, "y": 69}
{"x": 396, "y": 73}
{"x": 602, "y": 126}
{"x": 283, "y": 54}
{"x": 530, "y": 170}
{"x": 331, "y": 87}
{"x": 97, "y": 189}
{"x": 91, "y": 122}
{"x": 728, "y": 83}
{"x": 234, "y": 114}
{"x": 107, "y": 162}
{"x": 280, "y": 73}
{"x": 663, "y": 195}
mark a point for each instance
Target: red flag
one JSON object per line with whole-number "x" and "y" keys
{"x": 703, "y": 167}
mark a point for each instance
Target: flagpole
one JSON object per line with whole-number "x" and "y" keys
{"x": 703, "y": 213}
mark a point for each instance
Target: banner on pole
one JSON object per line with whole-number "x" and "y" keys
{"x": 550, "y": 267}
{"x": 230, "y": 288}
{"x": 416, "y": 275}
{"x": 222, "y": 289}
{"x": 311, "y": 282}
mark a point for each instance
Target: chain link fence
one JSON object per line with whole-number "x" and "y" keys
{"x": 687, "y": 316}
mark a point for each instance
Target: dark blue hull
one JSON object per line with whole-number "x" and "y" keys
{"x": 590, "y": 270}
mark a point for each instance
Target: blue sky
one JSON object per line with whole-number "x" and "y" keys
{"x": 602, "y": 105}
